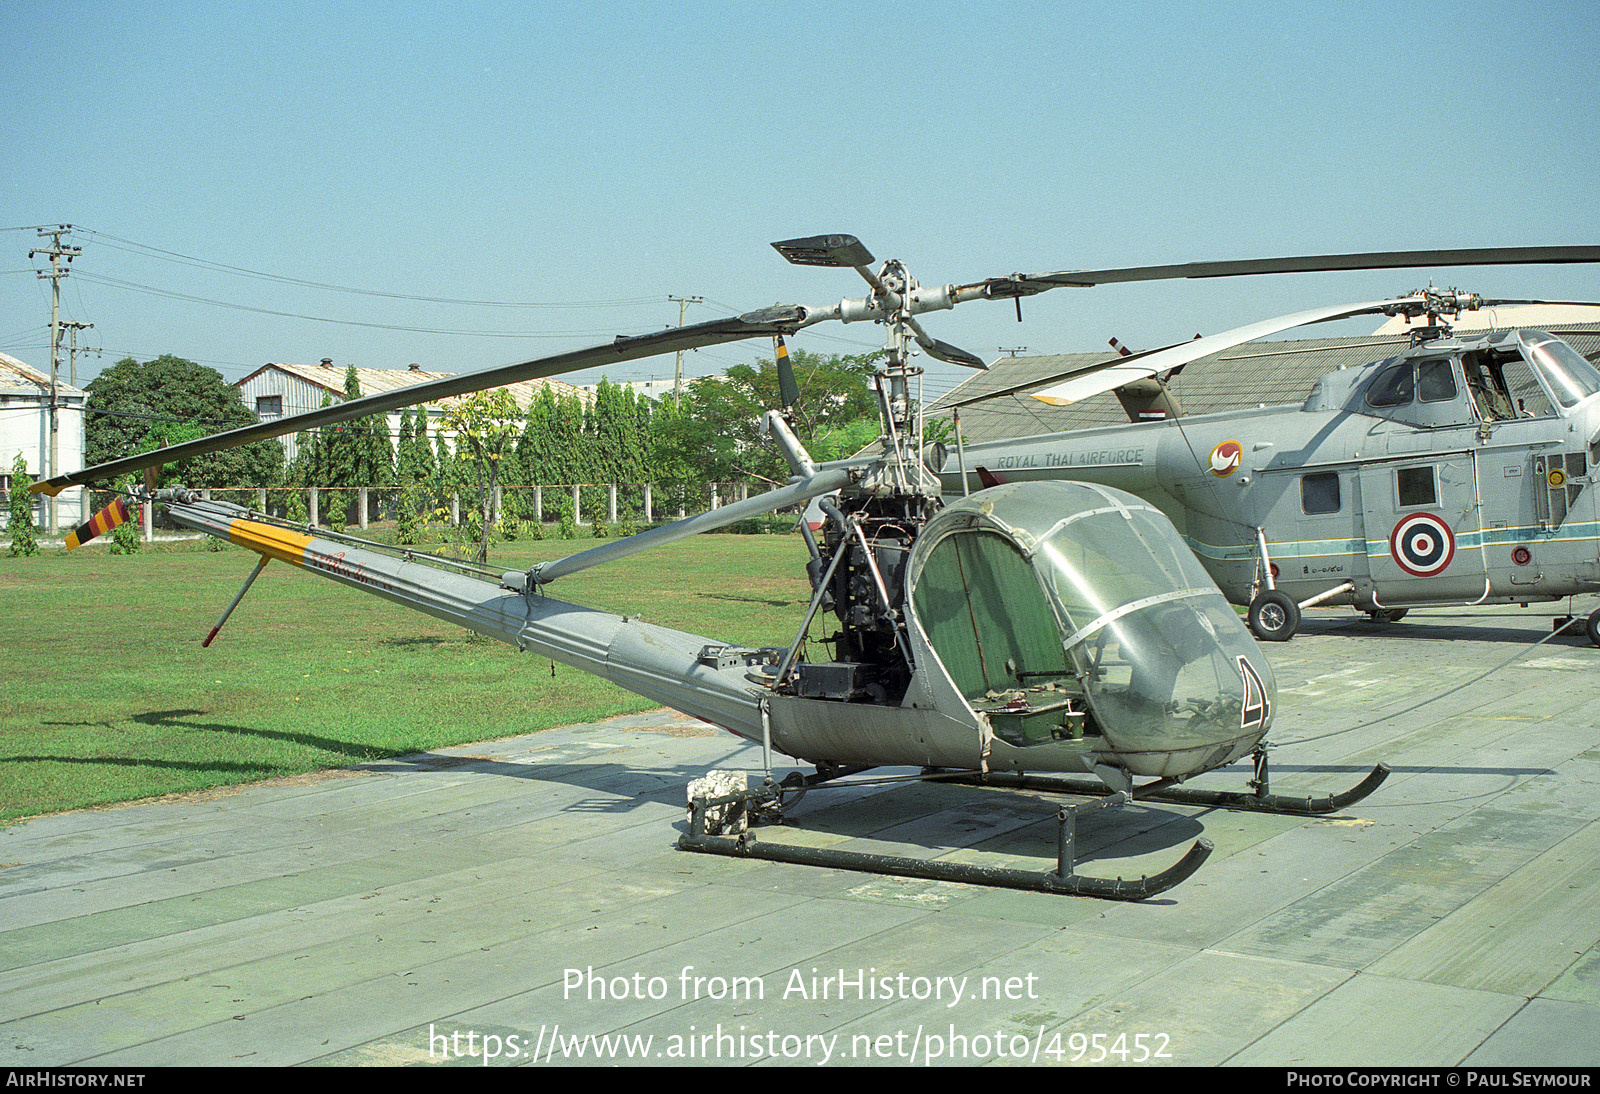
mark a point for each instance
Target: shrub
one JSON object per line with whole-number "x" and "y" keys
{"x": 125, "y": 539}
{"x": 24, "y": 536}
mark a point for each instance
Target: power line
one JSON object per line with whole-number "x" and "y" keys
{"x": 454, "y": 332}
{"x": 189, "y": 260}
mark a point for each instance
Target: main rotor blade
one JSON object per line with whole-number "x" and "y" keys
{"x": 782, "y": 319}
{"x": 1118, "y": 372}
{"x": 1500, "y": 302}
{"x": 1056, "y": 378}
{"x": 1029, "y": 284}
{"x": 824, "y": 481}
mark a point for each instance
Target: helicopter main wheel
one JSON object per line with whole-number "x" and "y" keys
{"x": 1387, "y": 615}
{"x": 1592, "y": 627}
{"x": 1274, "y": 617}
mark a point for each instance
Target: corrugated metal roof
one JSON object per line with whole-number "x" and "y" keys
{"x": 1537, "y": 316}
{"x": 14, "y": 374}
{"x": 1251, "y": 375}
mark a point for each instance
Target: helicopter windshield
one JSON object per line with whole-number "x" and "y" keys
{"x": 1158, "y": 645}
{"x": 1570, "y": 378}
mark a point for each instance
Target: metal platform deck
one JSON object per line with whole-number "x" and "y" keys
{"x": 525, "y": 899}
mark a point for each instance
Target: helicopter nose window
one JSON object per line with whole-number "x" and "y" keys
{"x": 1066, "y": 613}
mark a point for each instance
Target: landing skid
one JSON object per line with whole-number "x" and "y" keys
{"x": 1257, "y": 799}
{"x": 767, "y": 802}
{"x": 1064, "y": 880}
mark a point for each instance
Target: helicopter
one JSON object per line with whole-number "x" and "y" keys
{"x": 1451, "y": 473}
{"x": 1029, "y": 629}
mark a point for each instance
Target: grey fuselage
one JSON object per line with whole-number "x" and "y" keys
{"x": 1459, "y": 471}
{"x": 1050, "y": 627}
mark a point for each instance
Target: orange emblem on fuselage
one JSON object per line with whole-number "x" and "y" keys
{"x": 1225, "y": 458}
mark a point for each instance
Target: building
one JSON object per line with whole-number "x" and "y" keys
{"x": 25, "y": 428}
{"x": 654, "y": 390}
{"x": 276, "y": 390}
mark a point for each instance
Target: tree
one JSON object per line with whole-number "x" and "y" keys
{"x": 354, "y": 454}
{"x": 372, "y": 456}
{"x": 323, "y": 458}
{"x": 616, "y": 441}
{"x": 418, "y": 460}
{"x": 24, "y": 537}
{"x": 674, "y": 464}
{"x": 715, "y": 434}
{"x": 485, "y": 425}
{"x": 553, "y": 450}
{"x": 411, "y": 477}
{"x": 132, "y": 407}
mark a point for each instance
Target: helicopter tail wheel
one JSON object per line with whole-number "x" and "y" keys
{"x": 1274, "y": 616}
{"x": 1592, "y": 627}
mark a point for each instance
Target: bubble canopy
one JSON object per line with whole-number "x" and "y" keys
{"x": 1072, "y": 616}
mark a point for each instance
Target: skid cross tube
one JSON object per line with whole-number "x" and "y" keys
{"x": 1064, "y": 880}
{"x": 1257, "y": 800}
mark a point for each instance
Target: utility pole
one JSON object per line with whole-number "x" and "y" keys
{"x": 74, "y": 327}
{"x": 83, "y": 407}
{"x": 57, "y": 252}
{"x": 677, "y": 382}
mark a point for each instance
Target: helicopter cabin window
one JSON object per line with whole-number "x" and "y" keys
{"x": 1503, "y": 387}
{"x": 1319, "y": 493}
{"x": 1436, "y": 380}
{"x": 1415, "y": 486}
{"x": 1392, "y": 387}
{"x": 1523, "y": 387}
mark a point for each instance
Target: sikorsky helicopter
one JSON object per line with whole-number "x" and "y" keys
{"x": 1454, "y": 472}
{"x": 1047, "y": 627}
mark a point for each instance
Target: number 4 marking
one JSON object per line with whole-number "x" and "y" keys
{"x": 1257, "y": 711}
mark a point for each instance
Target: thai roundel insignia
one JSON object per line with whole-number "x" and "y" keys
{"x": 1422, "y": 545}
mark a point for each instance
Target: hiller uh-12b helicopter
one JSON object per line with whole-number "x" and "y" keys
{"x": 1035, "y": 627}
{"x": 1454, "y": 472}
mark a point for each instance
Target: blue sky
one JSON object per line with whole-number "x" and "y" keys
{"x": 596, "y": 158}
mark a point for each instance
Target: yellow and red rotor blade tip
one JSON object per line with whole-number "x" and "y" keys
{"x": 98, "y": 525}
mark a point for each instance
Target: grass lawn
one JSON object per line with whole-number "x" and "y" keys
{"x": 106, "y": 694}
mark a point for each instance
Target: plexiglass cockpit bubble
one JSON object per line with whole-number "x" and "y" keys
{"x": 1073, "y": 617}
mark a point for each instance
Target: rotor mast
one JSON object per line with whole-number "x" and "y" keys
{"x": 895, "y": 300}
